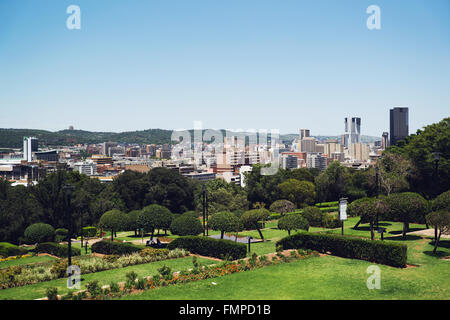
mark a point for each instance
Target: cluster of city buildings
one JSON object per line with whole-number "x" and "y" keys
{"x": 228, "y": 160}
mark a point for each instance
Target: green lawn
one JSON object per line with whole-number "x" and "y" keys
{"x": 326, "y": 277}
{"x": 37, "y": 290}
{"x": 27, "y": 260}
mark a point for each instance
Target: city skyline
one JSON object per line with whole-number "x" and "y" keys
{"x": 140, "y": 65}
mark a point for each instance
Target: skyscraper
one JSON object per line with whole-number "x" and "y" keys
{"x": 385, "y": 141}
{"x": 399, "y": 124}
{"x": 352, "y": 131}
{"x": 30, "y": 145}
{"x": 304, "y": 133}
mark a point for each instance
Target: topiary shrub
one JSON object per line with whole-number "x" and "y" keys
{"x": 61, "y": 235}
{"x": 210, "y": 247}
{"x": 186, "y": 225}
{"x": 314, "y": 216}
{"x": 56, "y": 249}
{"x": 293, "y": 222}
{"x": 110, "y": 247}
{"x": 282, "y": 207}
{"x": 377, "y": 251}
{"x": 39, "y": 232}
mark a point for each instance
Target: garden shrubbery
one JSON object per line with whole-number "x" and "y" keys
{"x": 8, "y": 250}
{"x": 39, "y": 232}
{"x": 110, "y": 247}
{"x": 89, "y": 232}
{"x": 210, "y": 247}
{"x": 375, "y": 251}
{"x": 56, "y": 249}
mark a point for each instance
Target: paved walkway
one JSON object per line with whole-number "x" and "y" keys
{"x": 428, "y": 233}
{"x": 233, "y": 238}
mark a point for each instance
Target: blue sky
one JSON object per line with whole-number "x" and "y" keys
{"x": 235, "y": 64}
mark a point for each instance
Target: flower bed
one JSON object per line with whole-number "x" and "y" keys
{"x": 166, "y": 278}
{"x": 20, "y": 276}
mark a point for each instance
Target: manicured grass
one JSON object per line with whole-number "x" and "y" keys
{"x": 315, "y": 278}
{"x": 38, "y": 290}
{"x": 27, "y": 260}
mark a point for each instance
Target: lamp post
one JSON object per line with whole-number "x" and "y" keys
{"x": 204, "y": 207}
{"x": 68, "y": 189}
{"x": 377, "y": 172}
{"x": 436, "y": 156}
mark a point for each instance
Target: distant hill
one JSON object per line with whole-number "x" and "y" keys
{"x": 13, "y": 138}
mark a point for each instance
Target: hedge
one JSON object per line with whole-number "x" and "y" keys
{"x": 8, "y": 249}
{"x": 327, "y": 204}
{"x": 89, "y": 231}
{"x": 110, "y": 247}
{"x": 210, "y": 247}
{"x": 377, "y": 251}
{"x": 56, "y": 249}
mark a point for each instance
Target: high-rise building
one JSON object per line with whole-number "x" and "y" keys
{"x": 30, "y": 145}
{"x": 399, "y": 124}
{"x": 308, "y": 144}
{"x": 385, "y": 140}
{"x": 352, "y": 131}
{"x": 304, "y": 133}
{"x": 360, "y": 151}
{"x": 316, "y": 160}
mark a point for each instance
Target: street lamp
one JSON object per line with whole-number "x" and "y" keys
{"x": 436, "y": 156}
{"x": 68, "y": 189}
{"x": 204, "y": 207}
{"x": 377, "y": 172}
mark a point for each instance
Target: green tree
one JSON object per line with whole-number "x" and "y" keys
{"x": 407, "y": 207}
{"x": 282, "y": 206}
{"x": 255, "y": 219}
{"x": 186, "y": 225}
{"x": 298, "y": 192}
{"x": 293, "y": 222}
{"x": 441, "y": 221}
{"x": 133, "y": 220}
{"x": 39, "y": 232}
{"x": 369, "y": 209}
{"x": 154, "y": 217}
{"x": 225, "y": 222}
{"x": 114, "y": 220}
{"x": 314, "y": 216}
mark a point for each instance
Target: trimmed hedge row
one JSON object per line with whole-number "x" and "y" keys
{"x": 210, "y": 247}
{"x": 110, "y": 247}
{"x": 56, "y": 249}
{"x": 383, "y": 252}
{"x": 327, "y": 204}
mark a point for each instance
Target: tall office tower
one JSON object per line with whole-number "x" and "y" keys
{"x": 399, "y": 121}
{"x": 30, "y": 145}
{"x": 304, "y": 133}
{"x": 352, "y": 131}
{"x": 308, "y": 144}
{"x": 385, "y": 140}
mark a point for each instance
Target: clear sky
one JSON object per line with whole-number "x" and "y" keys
{"x": 234, "y": 64}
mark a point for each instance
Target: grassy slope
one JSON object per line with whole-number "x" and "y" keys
{"x": 37, "y": 290}
{"x": 23, "y": 261}
{"x": 322, "y": 278}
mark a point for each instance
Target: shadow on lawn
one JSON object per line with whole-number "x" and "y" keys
{"x": 400, "y": 238}
{"x": 410, "y": 230}
{"x": 442, "y": 243}
{"x": 438, "y": 254}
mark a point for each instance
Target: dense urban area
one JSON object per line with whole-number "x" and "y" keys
{"x": 140, "y": 218}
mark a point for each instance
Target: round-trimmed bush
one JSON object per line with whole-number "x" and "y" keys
{"x": 39, "y": 232}
{"x": 293, "y": 222}
{"x": 186, "y": 225}
{"x": 314, "y": 216}
{"x": 282, "y": 207}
